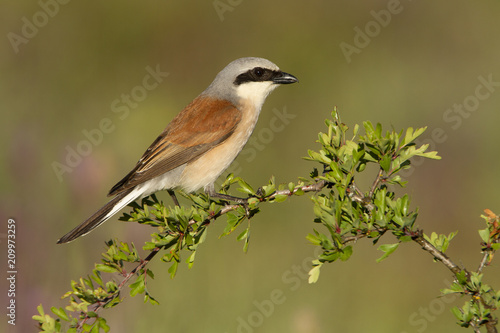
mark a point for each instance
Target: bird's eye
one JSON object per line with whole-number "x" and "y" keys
{"x": 258, "y": 71}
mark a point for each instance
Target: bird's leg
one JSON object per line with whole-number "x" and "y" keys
{"x": 174, "y": 198}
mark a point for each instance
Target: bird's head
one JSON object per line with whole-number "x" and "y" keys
{"x": 248, "y": 79}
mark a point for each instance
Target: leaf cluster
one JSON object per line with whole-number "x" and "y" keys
{"x": 177, "y": 228}
{"x": 347, "y": 212}
{"x": 484, "y": 300}
{"x": 88, "y": 295}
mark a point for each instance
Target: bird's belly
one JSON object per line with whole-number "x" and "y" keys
{"x": 206, "y": 169}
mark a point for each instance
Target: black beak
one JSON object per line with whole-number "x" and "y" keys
{"x": 284, "y": 78}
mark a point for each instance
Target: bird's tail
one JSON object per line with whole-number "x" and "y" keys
{"x": 102, "y": 215}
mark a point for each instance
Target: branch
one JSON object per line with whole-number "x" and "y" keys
{"x": 356, "y": 195}
{"x": 376, "y": 182}
{"x": 486, "y": 258}
{"x": 490, "y": 323}
{"x": 316, "y": 187}
{"x": 348, "y": 239}
{"x": 122, "y": 284}
{"x": 491, "y": 326}
{"x": 227, "y": 208}
{"x": 438, "y": 255}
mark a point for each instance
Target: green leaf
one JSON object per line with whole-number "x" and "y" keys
{"x": 280, "y": 197}
{"x": 433, "y": 155}
{"x": 233, "y": 221}
{"x": 485, "y": 235}
{"x": 267, "y": 190}
{"x": 314, "y": 272}
{"x": 457, "y": 313}
{"x": 105, "y": 268}
{"x": 148, "y": 297}
{"x": 441, "y": 242}
{"x": 408, "y": 136}
{"x": 150, "y": 273}
{"x": 396, "y": 180}
{"x": 245, "y": 187}
{"x": 173, "y": 269}
{"x": 96, "y": 276}
{"x": 314, "y": 239}
{"x": 378, "y": 131}
{"x": 40, "y": 310}
{"x": 336, "y": 172}
{"x": 355, "y": 130}
{"x": 138, "y": 286}
{"x": 60, "y": 313}
{"x": 368, "y": 128}
{"x": 299, "y": 192}
{"x": 405, "y": 238}
{"x": 95, "y": 329}
{"x": 387, "y": 249}
{"x": 461, "y": 277}
{"x": 324, "y": 139}
{"x": 190, "y": 259}
{"x": 245, "y": 235}
{"x": 346, "y": 253}
{"x": 385, "y": 162}
{"x": 200, "y": 200}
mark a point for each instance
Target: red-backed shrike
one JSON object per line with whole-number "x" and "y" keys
{"x": 200, "y": 142}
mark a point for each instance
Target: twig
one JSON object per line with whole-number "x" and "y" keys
{"x": 144, "y": 262}
{"x": 354, "y": 239}
{"x": 356, "y": 195}
{"x": 427, "y": 246}
{"x": 224, "y": 210}
{"x": 316, "y": 187}
{"x": 487, "y": 257}
{"x": 140, "y": 266}
{"x": 491, "y": 326}
{"x": 376, "y": 182}
{"x": 483, "y": 263}
{"x": 101, "y": 304}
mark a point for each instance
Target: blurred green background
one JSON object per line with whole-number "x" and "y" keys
{"x": 61, "y": 79}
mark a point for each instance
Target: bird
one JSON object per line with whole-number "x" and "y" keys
{"x": 200, "y": 142}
